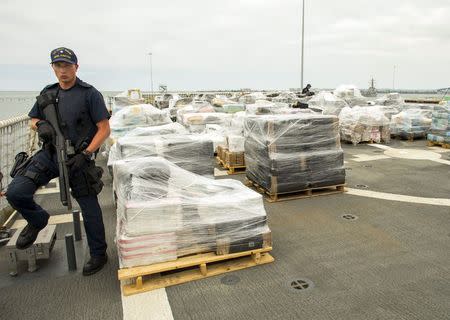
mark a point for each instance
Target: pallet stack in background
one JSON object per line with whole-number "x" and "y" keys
{"x": 165, "y": 212}
{"x": 413, "y": 122}
{"x": 291, "y": 153}
{"x": 440, "y": 126}
{"x": 364, "y": 124}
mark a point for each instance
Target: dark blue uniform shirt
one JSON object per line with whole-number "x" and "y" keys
{"x": 80, "y": 109}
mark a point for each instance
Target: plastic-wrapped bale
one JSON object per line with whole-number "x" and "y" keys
{"x": 196, "y": 106}
{"x": 391, "y": 99}
{"x": 411, "y": 123}
{"x": 131, "y": 117}
{"x": 286, "y": 97}
{"x": 263, "y": 107}
{"x": 217, "y": 134}
{"x": 194, "y": 153}
{"x": 440, "y": 125}
{"x": 170, "y": 128}
{"x": 364, "y": 124}
{"x": 235, "y": 143}
{"x": 125, "y": 99}
{"x": 290, "y": 153}
{"x": 165, "y": 212}
{"x": 251, "y": 98}
{"x": 196, "y": 122}
{"x": 328, "y": 103}
{"x": 351, "y": 94}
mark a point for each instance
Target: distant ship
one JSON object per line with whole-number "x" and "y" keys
{"x": 372, "y": 91}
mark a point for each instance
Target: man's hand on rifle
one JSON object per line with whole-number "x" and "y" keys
{"x": 45, "y": 131}
{"x": 78, "y": 162}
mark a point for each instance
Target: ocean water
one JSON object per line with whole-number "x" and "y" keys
{"x": 17, "y": 103}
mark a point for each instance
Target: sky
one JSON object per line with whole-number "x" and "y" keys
{"x": 213, "y": 45}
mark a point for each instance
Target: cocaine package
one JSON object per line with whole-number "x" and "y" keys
{"x": 165, "y": 212}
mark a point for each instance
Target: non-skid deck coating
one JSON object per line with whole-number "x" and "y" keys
{"x": 393, "y": 262}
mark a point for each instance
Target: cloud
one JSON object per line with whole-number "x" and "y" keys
{"x": 209, "y": 44}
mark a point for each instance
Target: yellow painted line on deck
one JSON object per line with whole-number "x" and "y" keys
{"x": 398, "y": 197}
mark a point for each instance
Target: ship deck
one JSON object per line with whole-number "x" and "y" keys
{"x": 391, "y": 262}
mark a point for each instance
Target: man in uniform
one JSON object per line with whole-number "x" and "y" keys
{"x": 306, "y": 90}
{"x": 83, "y": 118}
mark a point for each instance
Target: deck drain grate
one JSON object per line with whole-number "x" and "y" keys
{"x": 367, "y": 166}
{"x": 230, "y": 280}
{"x": 349, "y": 217}
{"x": 362, "y": 186}
{"x": 301, "y": 284}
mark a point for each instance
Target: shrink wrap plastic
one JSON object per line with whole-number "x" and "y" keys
{"x": 252, "y": 97}
{"x": 196, "y": 122}
{"x": 235, "y": 143}
{"x": 169, "y": 128}
{"x": 328, "y": 103}
{"x": 177, "y": 104}
{"x": 391, "y": 99}
{"x": 440, "y": 124}
{"x": 351, "y": 95}
{"x": 411, "y": 123}
{"x": 194, "y": 153}
{"x": 264, "y": 107}
{"x": 142, "y": 115}
{"x": 289, "y": 153}
{"x": 363, "y": 124}
{"x": 286, "y": 97}
{"x": 125, "y": 99}
{"x": 223, "y": 104}
{"x": 165, "y": 212}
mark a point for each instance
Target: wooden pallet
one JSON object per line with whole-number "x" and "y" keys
{"x": 186, "y": 269}
{"x": 230, "y": 169}
{"x": 306, "y": 193}
{"x": 410, "y": 137}
{"x": 440, "y": 144}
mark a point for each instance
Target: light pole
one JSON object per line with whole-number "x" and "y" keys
{"x": 151, "y": 73}
{"x": 393, "y": 79}
{"x": 303, "y": 41}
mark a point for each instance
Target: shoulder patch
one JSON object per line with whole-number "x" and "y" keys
{"x": 50, "y": 86}
{"x": 84, "y": 84}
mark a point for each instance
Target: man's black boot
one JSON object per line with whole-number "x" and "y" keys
{"x": 94, "y": 265}
{"x": 27, "y": 237}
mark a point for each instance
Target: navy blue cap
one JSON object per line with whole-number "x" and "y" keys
{"x": 63, "y": 54}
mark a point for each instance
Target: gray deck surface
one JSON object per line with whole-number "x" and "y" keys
{"x": 393, "y": 262}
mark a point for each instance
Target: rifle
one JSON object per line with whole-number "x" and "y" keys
{"x": 48, "y": 103}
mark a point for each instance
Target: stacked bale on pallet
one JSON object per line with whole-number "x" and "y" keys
{"x": 170, "y": 128}
{"x": 131, "y": 117}
{"x": 440, "y": 125}
{"x": 351, "y": 94}
{"x": 364, "y": 124}
{"x": 412, "y": 123}
{"x": 327, "y": 103}
{"x": 165, "y": 212}
{"x": 194, "y": 153}
{"x": 290, "y": 153}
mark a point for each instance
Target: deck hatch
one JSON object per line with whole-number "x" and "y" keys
{"x": 301, "y": 284}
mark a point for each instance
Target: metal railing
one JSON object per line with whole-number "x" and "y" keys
{"x": 15, "y": 136}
